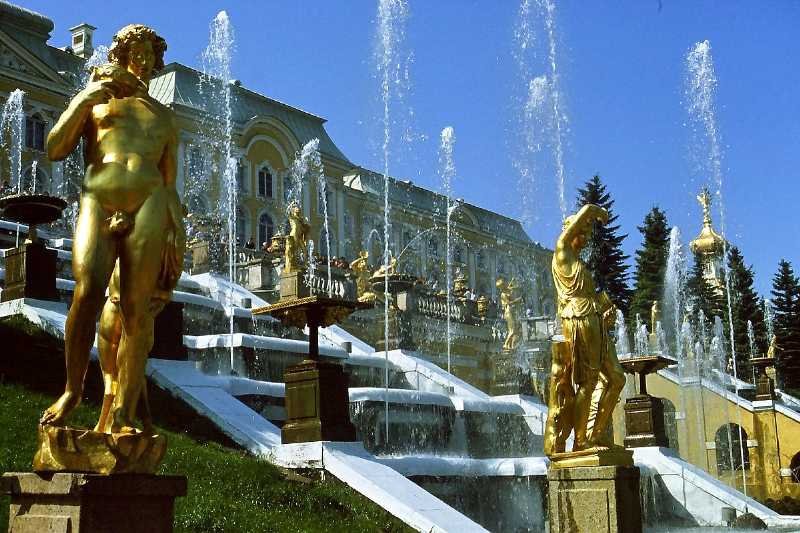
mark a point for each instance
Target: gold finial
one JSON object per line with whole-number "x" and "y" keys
{"x": 705, "y": 200}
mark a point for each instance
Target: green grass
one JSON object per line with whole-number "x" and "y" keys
{"x": 229, "y": 491}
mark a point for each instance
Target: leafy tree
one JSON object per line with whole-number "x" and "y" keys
{"x": 651, "y": 264}
{"x": 786, "y": 324}
{"x": 745, "y": 306}
{"x": 606, "y": 260}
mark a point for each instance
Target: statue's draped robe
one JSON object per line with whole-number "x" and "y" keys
{"x": 580, "y": 319}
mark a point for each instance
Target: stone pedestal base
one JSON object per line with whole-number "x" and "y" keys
{"x": 594, "y": 499}
{"x": 317, "y": 403}
{"x": 644, "y": 422}
{"x": 30, "y": 273}
{"x": 83, "y": 503}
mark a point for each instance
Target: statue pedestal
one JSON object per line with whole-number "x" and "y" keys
{"x": 30, "y": 273}
{"x": 644, "y": 422}
{"x": 82, "y": 503}
{"x": 317, "y": 403}
{"x": 594, "y": 498}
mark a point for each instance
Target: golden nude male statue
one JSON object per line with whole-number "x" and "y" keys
{"x": 584, "y": 366}
{"x": 130, "y": 224}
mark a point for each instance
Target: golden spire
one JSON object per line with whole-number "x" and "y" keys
{"x": 708, "y": 242}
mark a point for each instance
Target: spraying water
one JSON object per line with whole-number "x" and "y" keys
{"x": 12, "y": 123}
{"x": 34, "y": 171}
{"x": 448, "y": 171}
{"x": 622, "y": 345}
{"x": 768, "y": 320}
{"x": 558, "y": 114}
{"x": 701, "y": 87}
{"x": 543, "y": 119}
{"x": 392, "y": 15}
{"x": 216, "y": 83}
{"x": 674, "y": 287}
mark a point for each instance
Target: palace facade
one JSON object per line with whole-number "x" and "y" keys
{"x": 267, "y": 135}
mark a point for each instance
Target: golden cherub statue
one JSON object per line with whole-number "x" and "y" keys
{"x": 509, "y": 301}
{"x": 130, "y": 225}
{"x": 586, "y": 360}
{"x": 360, "y": 268}
{"x": 296, "y": 240}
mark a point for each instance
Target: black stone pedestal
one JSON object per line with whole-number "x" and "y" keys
{"x": 30, "y": 273}
{"x": 91, "y": 503}
{"x": 168, "y": 333}
{"x": 317, "y": 403}
{"x": 644, "y": 422}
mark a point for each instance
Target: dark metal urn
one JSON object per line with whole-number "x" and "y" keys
{"x": 31, "y": 267}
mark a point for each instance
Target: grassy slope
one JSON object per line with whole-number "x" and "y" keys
{"x": 228, "y": 490}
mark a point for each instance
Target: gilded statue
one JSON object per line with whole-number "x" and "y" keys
{"x": 460, "y": 286}
{"x": 129, "y": 237}
{"x": 295, "y": 244}
{"x": 509, "y": 301}
{"x": 585, "y": 364}
{"x": 360, "y": 268}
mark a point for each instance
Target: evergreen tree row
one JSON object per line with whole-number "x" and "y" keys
{"x": 607, "y": 262}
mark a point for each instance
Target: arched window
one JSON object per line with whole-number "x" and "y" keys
{"x": 794, "y": 466}
{"x": 34, "y": 132}
{"x": 288, "y": 188}
{"x": 265, "y": 229}
{"x": 241, "y": 178}
{"x": 265, "y": 182}
{"x": 731, "y": 443}
{"x": 458, "y": 255}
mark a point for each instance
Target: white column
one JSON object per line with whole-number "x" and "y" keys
{"x": 340, "y": 229}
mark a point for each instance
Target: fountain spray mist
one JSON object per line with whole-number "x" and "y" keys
{"x": 216, "y": 60}
{"x": 558, "y": 115}
{"x": 448, "y": 171}
{"x": 11, "y": 135}
{"x": 392, "y": 15}
{"x": 701, "y": 88}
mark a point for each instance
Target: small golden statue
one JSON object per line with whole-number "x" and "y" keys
{"x": 295, "y": 243}
{"x": 460, "y": 286}
{"x": 384, "y": 271}
{"x": 584, "y": 365}
{"x": 130, "y": 233}
{"x": 360, "y": 268}
{"x": 509, "y": 301}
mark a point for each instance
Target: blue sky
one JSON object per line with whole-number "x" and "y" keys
{"x": 622, "y": 70}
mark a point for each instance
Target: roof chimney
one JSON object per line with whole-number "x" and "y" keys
{"x": 82, "y": 40}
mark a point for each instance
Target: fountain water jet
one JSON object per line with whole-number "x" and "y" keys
{"x": 12, "y": 125}
{"x": 217, "y": 78}
{"x": 447, "y": 172}
{"x": 701, "y": 86}
{"x": 392, "y": 15}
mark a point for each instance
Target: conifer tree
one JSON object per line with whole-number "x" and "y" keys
{"x": 745, "y": 306}
{"x": 606, "y": 260}
{"x": 651, "y": 264}
{"x": 786, "y": 324}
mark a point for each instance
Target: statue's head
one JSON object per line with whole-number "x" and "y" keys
{"x": 500, "y": 283}
{"x": 294, "y": 209}
{"x": 139, "y": 49}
